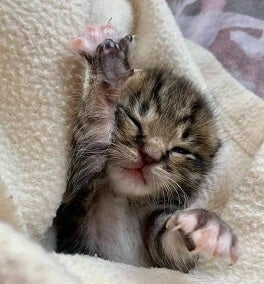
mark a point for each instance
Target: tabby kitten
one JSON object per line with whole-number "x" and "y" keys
{"x": 144, "y": 144}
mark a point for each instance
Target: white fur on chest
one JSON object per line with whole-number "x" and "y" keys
{"x": 114, "y": 230}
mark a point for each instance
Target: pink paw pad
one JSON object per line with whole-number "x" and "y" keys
{"x": 93, "y": 36}
{"x": 210, "y": 235}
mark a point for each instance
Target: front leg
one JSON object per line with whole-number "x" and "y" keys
{"x": 109, "y": 69}
{"x": 176, "y": 240}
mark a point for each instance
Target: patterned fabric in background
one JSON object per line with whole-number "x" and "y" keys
{"x": 233, "y": 30}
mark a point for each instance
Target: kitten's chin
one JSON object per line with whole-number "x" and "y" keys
{"x": 130, "y": 182}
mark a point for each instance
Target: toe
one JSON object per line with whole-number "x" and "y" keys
{"x": 108, "y": 43}
{"x": 125, "y": 42}
{"x": 222, "y": 249}
{"x": 111, "y": 44}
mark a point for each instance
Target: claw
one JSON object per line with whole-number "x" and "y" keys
{"x": 109, "y": 21}
{"x": 196, "y": 251}
{"x": 176, "y": 228}
{"x": 129, "y": 37}
{"x": 100, "y": 47}
{"x": 234, "y": 253}
{"x": 117, "y": 46}
{"x": 171, "y": 224}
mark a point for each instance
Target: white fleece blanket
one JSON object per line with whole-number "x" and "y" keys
{"x": 39, "y": 80}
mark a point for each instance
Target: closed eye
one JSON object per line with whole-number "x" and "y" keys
{"x": 180, "y": 150}
{"x": 138, "y": 125}
{"x": 134, "y": 120}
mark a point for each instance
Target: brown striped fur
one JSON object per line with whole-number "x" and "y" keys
{"x": 152, "y": 117}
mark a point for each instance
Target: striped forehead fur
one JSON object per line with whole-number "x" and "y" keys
{"x": 170, "y": 102}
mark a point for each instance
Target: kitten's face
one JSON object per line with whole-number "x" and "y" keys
{"x": 165, "y": 137}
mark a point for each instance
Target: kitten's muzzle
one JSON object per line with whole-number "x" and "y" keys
{"x": 138, "y": 169}
{"x": 146, "y": 158}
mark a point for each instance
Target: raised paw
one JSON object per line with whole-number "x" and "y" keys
{"x": 208, "y": 233}
{"x": 93, "y": 36}
{"x": 109, "y": 45}
{"x": 112, "y": 60}
{"x": 107, "y": 54}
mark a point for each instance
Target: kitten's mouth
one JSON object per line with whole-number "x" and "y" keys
{"x": 136, "y": 174}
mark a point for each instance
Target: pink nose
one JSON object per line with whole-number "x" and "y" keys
{"x": 146, "y": 159}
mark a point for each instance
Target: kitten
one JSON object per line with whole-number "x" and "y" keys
{"x": 143, "y": 146}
